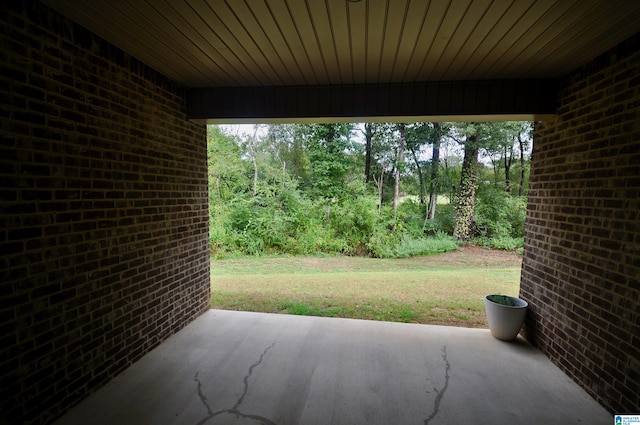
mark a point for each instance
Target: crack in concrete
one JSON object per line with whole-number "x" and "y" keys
{"x": 203, "y": 399}
{"x": 246, "y": 378}
{"x": 438, "y": 400}
{"x": 234, "y": 410}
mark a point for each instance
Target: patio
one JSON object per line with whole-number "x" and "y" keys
{"x": 231, "y": 367}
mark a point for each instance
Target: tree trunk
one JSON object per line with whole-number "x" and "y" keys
{"x": 368, "y": 137}
{"x": 400, "y": 160}
{"x": 522, "y": 173}
{"x": 494, "y": 165}
{"x": 508, "y": 160}
{"x": 253, "y": 155}
{"x": 435, "y": 165}
{"x": 465, "y": 202}
{"x": 380, "y": 184}
{"x": 414, "y": 155}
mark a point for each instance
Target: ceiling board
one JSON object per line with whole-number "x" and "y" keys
{"x": 542, "y": 30}
{"x": 223, "y": 47}
{"x": 307, "y": 38}
{"x": 489, "y": 21}
{"x": 415, "y": 20}
{"x": 497, "y": 29}
{"x": 503, "y": 50}
{"x": 289, "y": 39}
{"x": 394, "y": 27}
{"x": 576, "y": 47}
{"x": 461, "y": 36}
{"x": 450, "y": 24}
{"x": 358, "y": 31}
{"x": 260, "y": 25}
{"x": 376, "y": 24}
{"x": 323, "y": 32}
{"x": 339, "y": 22}
{"x": 244, "y": 43}
{"x": 429, "y": 31}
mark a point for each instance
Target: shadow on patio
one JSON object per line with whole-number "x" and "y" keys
{"x": 232, "y": 367}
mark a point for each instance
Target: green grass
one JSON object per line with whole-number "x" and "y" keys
{"x": 422, "y": 290}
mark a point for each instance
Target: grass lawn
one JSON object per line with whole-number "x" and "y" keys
{"x": 446, "y": 289}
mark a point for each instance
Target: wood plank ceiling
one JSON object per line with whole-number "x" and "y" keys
{"x": 249, "y": 43}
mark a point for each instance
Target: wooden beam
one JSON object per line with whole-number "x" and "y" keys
{"x": 437, "y": 101}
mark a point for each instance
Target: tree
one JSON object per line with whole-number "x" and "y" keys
{"x": 328, "y": 146}
{"x": 369, "y": 129}
{"x": 287, "y": 143}
{"x": 435, "y": 165}
{"x": 465, "y": 200}
{"x": 402, "y": 130}
{"x": 300, "y": 188}
{"x": 521, "y": 145}
{"x": 251, "y": 146}
{"x": 227, "y": 169}
{"x": 418, "y": 135}
{"x": 502, "y": 139}
{"x": 524, "y": 136}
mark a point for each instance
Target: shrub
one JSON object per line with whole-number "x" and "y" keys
{"x": 354, "y": 221}
{"x": 409, "y": 246}
{"x": 443, "y": 221}
{"x": 506, "y": 243}
{"x": 411, "y": 214}
{"x": 498, "y": 214}
{"x": 412, "y": 247}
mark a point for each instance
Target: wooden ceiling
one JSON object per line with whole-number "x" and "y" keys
{"x": 253, "y": 43}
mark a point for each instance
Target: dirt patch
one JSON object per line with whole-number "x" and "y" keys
{"x": 470, "y": 256}
{"x": 465, "y": 256}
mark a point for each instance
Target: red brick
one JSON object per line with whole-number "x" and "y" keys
{"x": 69, "y": 241}
{"x": 586, "y": 230}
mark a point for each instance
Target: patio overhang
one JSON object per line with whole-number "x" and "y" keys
{"x": 219, "y": 43}
{"x": 524, "y": 100}
{"x": 365, "y": 60}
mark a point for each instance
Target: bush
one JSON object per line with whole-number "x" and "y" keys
{"x": 411, "y": 214}
{"x": 354, "y": 221}
{"x": 409, "y": 246}
{"x": 498, "y": 214}
{"x": 506, "y": 243}
{"x": 444, "y": 220}
{"x": 285, "y": 222}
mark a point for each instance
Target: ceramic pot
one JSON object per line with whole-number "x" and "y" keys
{"x": 505, "y": 315}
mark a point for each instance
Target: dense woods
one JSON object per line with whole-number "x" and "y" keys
{"x": 375, "y": 189}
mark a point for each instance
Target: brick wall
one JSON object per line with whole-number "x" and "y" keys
{"x": 581, "y": 269}
{"x": 103, "y": 206}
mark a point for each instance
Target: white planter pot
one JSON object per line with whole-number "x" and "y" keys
{"x": 505, "y": 321}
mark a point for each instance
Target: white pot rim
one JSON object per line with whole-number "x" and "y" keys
{"x": 519, "y": 301}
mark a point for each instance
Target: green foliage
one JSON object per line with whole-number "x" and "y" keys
{"x": 498, "y": 214}
{"x": 354, "y": 220}
{"x": 499, "y": 219}
{"x": 388, "y": 246}
{"x": 395, "y": 312}
{"x": 228, "y": 172}
{"x": 310, "y": 196}
{"x": 327, "y": 147}
{"x": 304, "y": 309}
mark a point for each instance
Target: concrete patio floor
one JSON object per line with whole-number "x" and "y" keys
{"x": 232, "y": 367}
